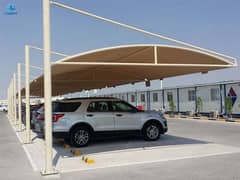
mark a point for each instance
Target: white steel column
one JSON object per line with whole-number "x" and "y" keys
{"x": 19, "y": 98}
{"x": 47, "y": 88}
{"x": 8, "y": 102}
{"x": 27, "y": 95}
{"x": 161, "y": 84}
{"x": 155, "y": 55}
{"x": 14, "y": 98}
{"x": 7, "y": 99}
{"x": 12, "y": 107}
{"x": 10, "y": 96}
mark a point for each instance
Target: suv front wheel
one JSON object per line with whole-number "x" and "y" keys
{"x": 80, "y": 136}
{"x": 151, "y": 131}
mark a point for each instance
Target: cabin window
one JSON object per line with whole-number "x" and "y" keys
{"x": 191, "y": 95}
{"x": 142, "y": 97}
{"x": 155, "y": 97}
{"x": 214, "y": 94}
{"x": 169, "y": 96}
{"x": 133, "y": 98}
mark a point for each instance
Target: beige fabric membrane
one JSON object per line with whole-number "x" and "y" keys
{"x": 171, "y": 61}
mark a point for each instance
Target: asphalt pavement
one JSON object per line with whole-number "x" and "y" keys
{"x": 15, "y": 165}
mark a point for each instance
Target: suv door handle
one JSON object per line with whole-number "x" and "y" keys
{"x": 119, "y": 115}
{"x": 90, "y": 115}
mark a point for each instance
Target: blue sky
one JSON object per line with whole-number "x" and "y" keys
{"x": 212, "y": 24}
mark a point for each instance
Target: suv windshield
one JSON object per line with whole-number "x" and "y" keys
{"x": 121, "y": 106}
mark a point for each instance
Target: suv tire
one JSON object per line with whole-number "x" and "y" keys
{"x": 80, "y": 136}
{"x": 151, "y": 131}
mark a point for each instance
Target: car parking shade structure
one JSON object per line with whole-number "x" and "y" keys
{"x": 109, "y": 67}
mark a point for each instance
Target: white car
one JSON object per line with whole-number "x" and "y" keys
{"x": 80, "y": 120}
{"x": 3, "y": 108}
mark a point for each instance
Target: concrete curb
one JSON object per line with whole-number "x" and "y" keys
{"x": 206, "y": 119}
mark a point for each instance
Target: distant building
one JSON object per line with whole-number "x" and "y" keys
{"x": 185, "y": 98}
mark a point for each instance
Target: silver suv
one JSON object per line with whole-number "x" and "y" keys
{"x": 80, "y": 120}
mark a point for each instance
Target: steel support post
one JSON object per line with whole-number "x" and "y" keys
{"x": 27, "y": 96}
{"x": 47, "y": 89}
{"x": 9, "y": 108}
{"x": 8, "y": 102}
{"x": 19, "y": 99}
{"x": 14, "y": 99}
{"x": 12, "y": 114}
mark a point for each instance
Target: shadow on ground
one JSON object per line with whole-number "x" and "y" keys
{"x": 124, "y": 144}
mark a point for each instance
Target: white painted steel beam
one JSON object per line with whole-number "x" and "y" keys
{"x": 52, "y": 52}
{"x": 143, "y": 64}
{"x": 34, "y": 67}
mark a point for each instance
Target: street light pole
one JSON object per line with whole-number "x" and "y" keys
{"x": 47, "y": 89}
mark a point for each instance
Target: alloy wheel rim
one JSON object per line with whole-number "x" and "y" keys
{"x": 152, "y": 132}
{"x": 81, "y": 137}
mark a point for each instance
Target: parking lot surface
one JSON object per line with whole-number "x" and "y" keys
{"x": 191, "y": 150}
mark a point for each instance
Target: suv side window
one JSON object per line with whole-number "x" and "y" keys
{"x": 99, "y": 106}
{"x": 66, "y": 106}
{"x": 121, "y": 106}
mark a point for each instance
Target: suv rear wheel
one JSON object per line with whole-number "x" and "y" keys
{"x": 151, "y": 131}
{"x": 80, "y": 136}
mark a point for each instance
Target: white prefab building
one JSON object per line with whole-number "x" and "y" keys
{"x": 169, "y": 94}
{"x": 233, "y": 90}
{"x": 211, "y": 98}
{"x": 132, "y": 98}
{"x": 142, "y": 99}
{"x": 156, "y": 99}
{"x": 185, "y": 98}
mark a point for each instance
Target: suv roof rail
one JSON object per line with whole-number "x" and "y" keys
{"x": 81, "y": 98}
